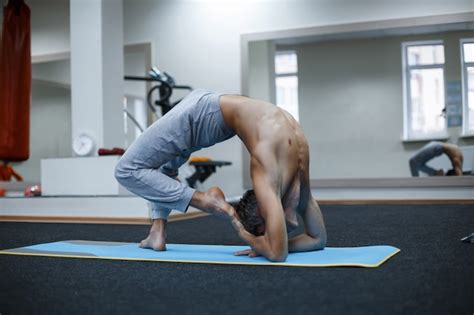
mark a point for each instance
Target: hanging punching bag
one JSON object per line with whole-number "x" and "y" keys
{"x": 15, "y": 82}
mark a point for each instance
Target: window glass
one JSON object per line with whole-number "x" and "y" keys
{"x": 470, "y": 97}
{"x": 286, "y": 82}
{"x": 427, "y": 101}
{"x": 287, "y": 94}
{"x": 425, "y": 55}
{"x": 286, "y": 63}
{"x": 468, "y": 52}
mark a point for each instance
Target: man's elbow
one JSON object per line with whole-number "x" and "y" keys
{"x": 278, "y": 256}
{"x": 320, "y": 244}
{"x": 321, "y": 241}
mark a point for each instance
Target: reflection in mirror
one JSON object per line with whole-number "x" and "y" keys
{"x": 370, "y": 101}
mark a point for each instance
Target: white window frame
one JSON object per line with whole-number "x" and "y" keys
{"x": 289, "y": 74}
{"x": 465, "y": 104}
{"x": 407, "y": 136}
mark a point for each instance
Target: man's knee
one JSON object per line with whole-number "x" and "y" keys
{"x": 413, "y": 166}
{"x": 122, "y": 174}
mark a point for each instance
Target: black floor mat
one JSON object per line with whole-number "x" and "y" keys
{"x": 433, "y": 273}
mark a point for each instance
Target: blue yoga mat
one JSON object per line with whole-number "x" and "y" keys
{"x": 365, "y": 256}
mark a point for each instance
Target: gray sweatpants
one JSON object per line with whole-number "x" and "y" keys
{"x": 422, "y": 156}
{"x": 150, "y": 165}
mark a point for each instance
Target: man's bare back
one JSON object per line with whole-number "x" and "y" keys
{"x": 455, "y": 156}
{"x": 275, "y": 140}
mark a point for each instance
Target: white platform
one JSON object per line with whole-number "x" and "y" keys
{"x": 121, "y": 208}
{"x": 410, "y": 188}
{"x": 117, "y": 207}
{"x": 81, "y": 176}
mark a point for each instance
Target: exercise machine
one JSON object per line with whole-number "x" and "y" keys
{"x": 160, "y": 94}
{"x": 204, "y": 167}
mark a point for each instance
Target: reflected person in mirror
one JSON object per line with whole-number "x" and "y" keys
{"x": 432, "y": 150}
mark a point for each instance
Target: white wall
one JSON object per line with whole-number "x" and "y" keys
{"x": 261, "y": 70}
{"x": 55, "y": 72}
{"x": 49, "y": 26}
{"x": 199, "y": 41}
{"x": 135, "y": 65}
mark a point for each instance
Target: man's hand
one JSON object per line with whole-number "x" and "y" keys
{"x": 247, "y": 252}
{"x": 249, "y": 238}
{"x": 259, "y": 244}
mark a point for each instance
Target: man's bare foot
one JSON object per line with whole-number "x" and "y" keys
{"x": 156, "y": 240}
{"x": 213, "y": 201}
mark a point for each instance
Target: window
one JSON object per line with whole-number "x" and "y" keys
{"x": 423, "y": 87}
{"x": 286, "y": 82}
{"x": 467, "y": 61}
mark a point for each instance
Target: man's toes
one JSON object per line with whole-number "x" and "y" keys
{"x": 145, "y": 243}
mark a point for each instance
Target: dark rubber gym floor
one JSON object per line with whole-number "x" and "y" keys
{"x": 433, "y": 274}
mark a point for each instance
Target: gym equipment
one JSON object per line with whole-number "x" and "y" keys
{"x": 366, "y": 256}
{"x": 165, "y": 86}
{"x": 32, "y": 191}
{"x": 113, "y": 151}
{"x": 7, "y": 173}
{"x": 205, "y": 167}
{"x": 15, "y": 82}
{"x": 468, "y": 239}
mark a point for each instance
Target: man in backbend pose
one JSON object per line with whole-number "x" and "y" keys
{"x": 279, "y": 169}
{"x": 432, "y": 150}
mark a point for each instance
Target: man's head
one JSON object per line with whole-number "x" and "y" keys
{"x": 450, "y": 173}
{"x": 249, "y": 214}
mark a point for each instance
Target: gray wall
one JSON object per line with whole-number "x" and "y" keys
{"x": 351, "y": 104}
{"x": 50, "y": 127}
{"x": 261, "y": 70}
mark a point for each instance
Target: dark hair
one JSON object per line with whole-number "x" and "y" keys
{"x": 450, "y": 173}
{"x": 249, "y": 214}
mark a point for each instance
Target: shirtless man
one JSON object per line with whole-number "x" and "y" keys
{"x": 432, "y": 150}
{"x": 279, "y": 169}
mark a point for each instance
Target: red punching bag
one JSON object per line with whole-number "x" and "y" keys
{"x": 15, "y": 82}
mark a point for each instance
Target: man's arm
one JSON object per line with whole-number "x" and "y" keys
{"x": 428, "y": 170}
{"x": 274, "y": 243}
{"x": 314, "y": 237}
{"x": 457, "y": 165}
